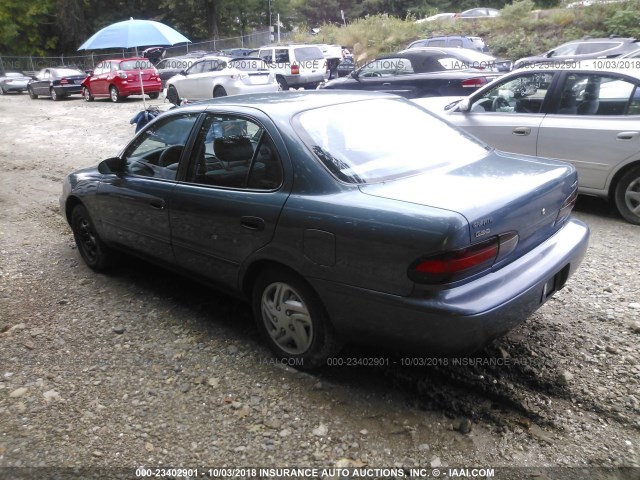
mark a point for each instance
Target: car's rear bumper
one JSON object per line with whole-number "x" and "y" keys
{"x": 305, "y": 80}
{"x": 464, "y": 318}
{"x": 68, "y": 89}
{"x": 134, "y": 88}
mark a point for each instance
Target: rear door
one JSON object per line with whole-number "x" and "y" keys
{"x": 595, "y": 125}
{"x": 229, "y": 204}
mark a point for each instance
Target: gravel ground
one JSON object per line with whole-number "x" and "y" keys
{"x": 140, "y": 368}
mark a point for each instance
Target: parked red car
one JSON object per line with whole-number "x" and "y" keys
{"x": 121, "y": 77}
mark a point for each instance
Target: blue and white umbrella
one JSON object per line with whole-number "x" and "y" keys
{"x": 132, "y": 34}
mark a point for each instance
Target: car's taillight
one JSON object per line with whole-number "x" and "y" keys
{"x": 295, "y": 70}
{"x": 64, "y": 81}
{"x": 567, "y": 206}
{"x": 457, "y": 264}
{"x": 474, "y": 82}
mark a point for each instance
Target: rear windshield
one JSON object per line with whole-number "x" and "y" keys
{"x": 308, "y": 53}
{"x": 248, "y": 64}
{"x": 135, "y": 64}
{"x": 67, "y": 72}
{"x": 377, "y": 140}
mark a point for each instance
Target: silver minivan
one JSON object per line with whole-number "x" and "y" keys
{"x": 296, "y": 66}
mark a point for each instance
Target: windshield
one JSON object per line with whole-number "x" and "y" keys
{"x": 377, "y": 140}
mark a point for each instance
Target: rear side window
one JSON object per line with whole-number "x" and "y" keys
{"x": 282, "y": 55}
{"x": 437, "y": 43}
{"x": 308, "y": 53}
{"x": 595, "y": 47}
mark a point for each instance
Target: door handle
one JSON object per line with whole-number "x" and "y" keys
{"x": 521, "y": 131}
{"x": 627, "y": 135}
{"x": 159, "y": 204}
{"x": 252, "y": 223}
{"x": 386, "y": 84}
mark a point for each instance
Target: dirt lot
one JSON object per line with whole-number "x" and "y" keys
{"x": 140, "y": 368}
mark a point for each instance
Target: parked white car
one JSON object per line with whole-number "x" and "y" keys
{"x": 296, "y": 66}
{"x": 586, "y": 113}
{"x": 218, "y": 76}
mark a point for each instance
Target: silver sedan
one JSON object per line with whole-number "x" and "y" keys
{"x": 586, "y": 113}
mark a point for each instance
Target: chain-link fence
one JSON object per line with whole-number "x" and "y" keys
{"x": 33, "y": 64}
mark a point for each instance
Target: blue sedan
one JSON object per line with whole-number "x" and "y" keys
{"x": 337, "y": 215}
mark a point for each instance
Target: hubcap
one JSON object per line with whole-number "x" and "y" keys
{"x": 632, "y": 197}
{"x": 287, "y": 318}
{"x": 87, "y": 239}
{"x": 114, "y": 95}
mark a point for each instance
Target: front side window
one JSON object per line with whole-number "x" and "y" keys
{"x": 522, "y": 94}
{"x": 156, "y": 152}
{"x": 359, "y": 144}
{"x": 235, "y": 152}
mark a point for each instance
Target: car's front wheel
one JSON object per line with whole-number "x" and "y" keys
{"x": 292, "y": 319}
{"x": 2, "y": 92}
{"x": 86, "y": 94}
{"x": 114, "y": 94}
{"x": 93, "y": 251}
{"x": 627, "y": 196}
{"x": 172, "y": 95}
{"x": 154, "y": 95}
{"x": 32, "y": 94}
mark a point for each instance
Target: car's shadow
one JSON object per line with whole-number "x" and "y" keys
{"x": 494, "y": 385}
{"x": 597, "y": 206}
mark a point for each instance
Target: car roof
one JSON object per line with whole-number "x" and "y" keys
{"x": 597, "y": 66}
{"x": 286, "y": 104}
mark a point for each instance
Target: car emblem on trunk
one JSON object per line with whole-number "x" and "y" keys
{"x": 543, "y": 212}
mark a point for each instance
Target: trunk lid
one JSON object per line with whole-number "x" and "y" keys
{"x": 498, "y": 194}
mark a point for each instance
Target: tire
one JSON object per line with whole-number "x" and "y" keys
{"x": 114, "y": 94}
{"x": 154, "y": 96}
{"x": 32, "y": 95}
{"x": 282, "y": 82}
{"x": 172, "y": 95}
{"x": 92, "y": 250}
{"x": 54, "y": 95}
{"x": 627, "y": 196}
{"x": 292, "y": 320}
{"x": 219, "y": 92}
{"x": 2, "y": 92}
{"x": 86, "y": 94}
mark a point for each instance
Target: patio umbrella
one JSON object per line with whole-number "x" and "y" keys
{"x": 133, "y": 34}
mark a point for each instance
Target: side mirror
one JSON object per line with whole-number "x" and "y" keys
{"x": 111, "y": 165}
{"x": 550, "y": 53}
{"x": 354, "y": 74}
{"x": 464, "y": 105}
{"x": 183, "y": 72}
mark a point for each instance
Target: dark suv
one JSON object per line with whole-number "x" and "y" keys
{"x": 452, "y": 41}
{"x": 585, "y": 49}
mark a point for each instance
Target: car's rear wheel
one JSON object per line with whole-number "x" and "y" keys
{"x": 92, "y": 250}
{"x": 54, "y": 95}
{"x": 282, "y": 82}
{"x": 219, "y": 92}
{"x": 32, "y": 95}
{"x": 172, "y": 95}
{"x": 154, "y": 95}
{"x": 86, "y": 94}
{"x": 114, "y": 94}
{"x": 292, "y": 320}
{"x": 627, "y": 196}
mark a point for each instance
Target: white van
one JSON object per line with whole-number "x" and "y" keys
{"x": 296, "y": 66}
